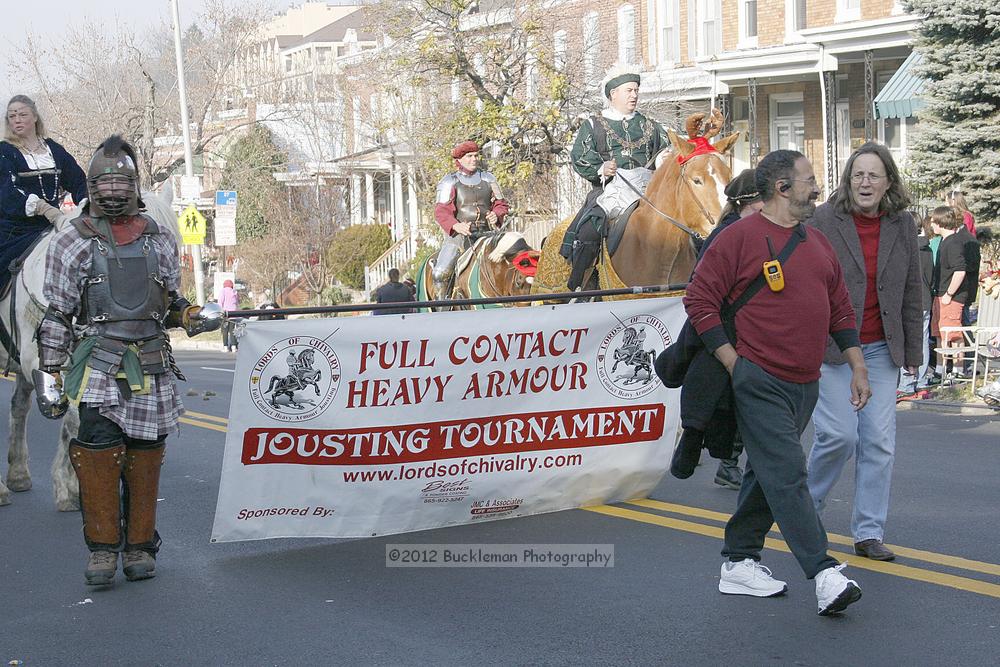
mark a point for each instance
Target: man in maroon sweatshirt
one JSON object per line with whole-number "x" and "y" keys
{"x": 781, "y": 337}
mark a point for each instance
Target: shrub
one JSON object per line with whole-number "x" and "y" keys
{"x": 354, "y": 248}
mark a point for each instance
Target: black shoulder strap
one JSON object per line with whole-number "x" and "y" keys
{"x": 600, "y": 138}
{"x": 729, "y": 310}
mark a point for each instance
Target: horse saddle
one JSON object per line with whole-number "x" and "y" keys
{"x": 616, "y": 228}
{"x": 466, "y": 257}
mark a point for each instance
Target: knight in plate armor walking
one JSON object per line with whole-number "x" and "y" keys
{"x": 469, "y": 205}
{"x": 112, "y": 277}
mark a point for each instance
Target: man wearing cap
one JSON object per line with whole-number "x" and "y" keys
{"x": 618, "y": 138}
{"x": 469, "y": 205}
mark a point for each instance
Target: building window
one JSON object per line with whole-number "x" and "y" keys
{"x": 848, "y": 10}
{"x": 670, "y": 42}
{"x": 591, "y": 46}
{"x": 626, "y": 35}
{"x": 559, "y": 50}
{"x": 788, "y": 124}
{"x": 748, "y": 23}
{"x": 709, "y": 27}
{"x": 799, "y": 12}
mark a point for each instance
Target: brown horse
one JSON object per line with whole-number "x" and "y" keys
{"x": 500, "y": 264}
{"x": 654, "y": 251}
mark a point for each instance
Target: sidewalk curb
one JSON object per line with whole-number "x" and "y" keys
{"x": 970, "y": 409}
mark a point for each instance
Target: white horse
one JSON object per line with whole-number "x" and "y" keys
{"x": 30, "y": 305}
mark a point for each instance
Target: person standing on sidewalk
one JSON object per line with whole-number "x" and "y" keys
{"x": 915, "y": 387}
{"x": 229, "y": 300}
{"x": 780, "y": 338}
{"x": 875, "y": 239}
{"x": 393, "y": 292}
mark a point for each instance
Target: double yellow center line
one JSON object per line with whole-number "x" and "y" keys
{"x": 896, "y": 569}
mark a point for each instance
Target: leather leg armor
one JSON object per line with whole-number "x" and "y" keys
{"x": 142, "y": 482}
{"x": 99, "y": 469}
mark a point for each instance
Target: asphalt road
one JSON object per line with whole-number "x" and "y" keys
{"x": 306, "y": 602}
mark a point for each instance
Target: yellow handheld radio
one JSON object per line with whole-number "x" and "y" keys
{"x": 773, "y": 275}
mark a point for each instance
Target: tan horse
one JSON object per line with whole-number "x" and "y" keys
{"x": 486, "y": 270}
{"x": 653, "y": 251}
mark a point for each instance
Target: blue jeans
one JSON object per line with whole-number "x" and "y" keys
{"x": 909, "y": 384}
{"x": 869, "y": 435}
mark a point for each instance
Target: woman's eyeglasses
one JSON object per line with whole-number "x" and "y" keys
{"x": 874, "y": 179}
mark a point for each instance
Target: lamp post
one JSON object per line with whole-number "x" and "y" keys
{"x": 199, "y": 273}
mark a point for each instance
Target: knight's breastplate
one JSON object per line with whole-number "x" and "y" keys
{"x": 473, "y": 201}
{"x": 125, "y": 299}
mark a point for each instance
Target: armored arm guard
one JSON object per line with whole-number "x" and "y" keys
{"x": 444, "y": 205}
{"x": 54, "y": 335}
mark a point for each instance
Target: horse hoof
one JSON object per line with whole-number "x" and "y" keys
{"x": 4, "y": 499}
{"x": 68, "y": 505}
{"x": 19, "y": 484}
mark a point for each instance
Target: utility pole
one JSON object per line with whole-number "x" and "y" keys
{"x": 199, "y": 272}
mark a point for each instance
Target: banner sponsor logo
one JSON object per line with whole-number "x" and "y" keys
{"x": 296, "y": 379}
{"x": 626, "y": 355}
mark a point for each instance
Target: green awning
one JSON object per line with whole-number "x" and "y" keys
{"x": 901, "y": 96}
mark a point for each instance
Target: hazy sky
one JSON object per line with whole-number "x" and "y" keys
{"x": 45, "y": 17}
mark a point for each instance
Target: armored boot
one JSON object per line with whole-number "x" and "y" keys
{"x": 99, "y": 469}
{"x": 142, "y": 482}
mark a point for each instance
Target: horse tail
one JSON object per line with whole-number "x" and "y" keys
{"x": 271, "y": 385}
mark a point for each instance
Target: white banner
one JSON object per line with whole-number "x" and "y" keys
{"x": 364, "y": 426}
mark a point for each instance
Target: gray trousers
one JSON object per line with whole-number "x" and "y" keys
{"x": 772, "y": 414}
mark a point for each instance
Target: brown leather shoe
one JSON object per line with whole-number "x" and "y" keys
{"x": 873, "y": 549}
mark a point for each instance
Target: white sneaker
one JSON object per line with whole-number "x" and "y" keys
{"x": 834, "y": 591}
{"x": 748, "y": 577}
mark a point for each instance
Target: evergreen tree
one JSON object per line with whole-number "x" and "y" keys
{"x": 250, "y": 164}
{"x": 958, "y": 145}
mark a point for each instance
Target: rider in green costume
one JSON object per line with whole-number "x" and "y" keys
{"x": 618, "y": 138}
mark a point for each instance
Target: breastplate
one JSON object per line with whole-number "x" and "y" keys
{"x": 473, "y": 200}
{"x": 125, "y": 298}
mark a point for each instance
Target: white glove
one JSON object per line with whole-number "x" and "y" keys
{"x": 51, "y": 213}
{"x": 31, "y": 204}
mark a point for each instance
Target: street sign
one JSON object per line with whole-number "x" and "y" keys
{"x": 225, "y": 217}
{"x": 192, "y": 225}
{"x": 190, "y": 188}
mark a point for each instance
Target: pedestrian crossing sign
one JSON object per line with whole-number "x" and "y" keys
{"x": 192, "y": 225}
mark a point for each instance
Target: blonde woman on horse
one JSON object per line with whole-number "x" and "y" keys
{"x": 35, "y": 174}
{"x": 469, "y": 205}
{"x": 620, "y": 137}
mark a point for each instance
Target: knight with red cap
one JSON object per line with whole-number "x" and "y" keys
{"x": 469, "y": 205}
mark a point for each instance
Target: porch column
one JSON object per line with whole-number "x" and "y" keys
{"x": 398, "y": 223}
{"x": 356, "y": 217}
{"x": 752, "y": 121}
{"x": 869, "y": 95}
{"x": 369, "y": 213}
{"x": 828, "y": 82}
{"x": 414, "y": 213}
